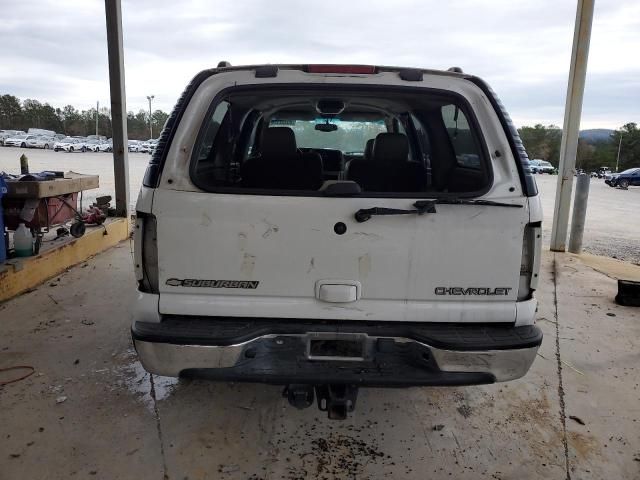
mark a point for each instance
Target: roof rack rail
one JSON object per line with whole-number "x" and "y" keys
{"x": 223, "y": 64}
{"x": 266, "y": 71}
{"x": 411, "y": 75}
{"x": 455, "y": 69}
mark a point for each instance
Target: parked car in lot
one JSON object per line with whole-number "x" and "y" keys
{"x": 134, "y": 145}
{"x": 602, "y": 172}
{"x": 144, "y": 147}
{"x": 40, "y": 142}
{"x": 624, "y": 179}
{"x": 41, "y": 132}
{"x": 18, "y": 140}
{"x": 353, "y": 231}
{"x": 92, "y": 144}
{"x": 5, "y": 134}
{"x": 70, "y": 144}
{"x": 106, "y": 146}
{"x": 148, "y": 146}
{"x": 541, "y": 166}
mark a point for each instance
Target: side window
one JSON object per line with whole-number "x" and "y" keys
{"x": 463, "y": 143}
{"x": 422, "y": 137}
{"x": 213, "y": 126}
{"x": 212, "y": 159}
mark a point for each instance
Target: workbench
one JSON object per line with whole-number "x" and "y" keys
{"x": 42, "y": 204}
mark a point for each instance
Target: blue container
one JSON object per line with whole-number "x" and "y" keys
{"x": 3, "y": 235}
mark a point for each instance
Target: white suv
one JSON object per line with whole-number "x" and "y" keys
{"x": 328, "y": 227}
{"x": 541, "y": 166}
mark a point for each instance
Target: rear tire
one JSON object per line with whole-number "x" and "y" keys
{"x": 623, "y": 184}
{"x": 23, "y": 145}
{"x": 46, "y": 146}
{"x": 83, "y": 149}
{"x": 77, "y": 229}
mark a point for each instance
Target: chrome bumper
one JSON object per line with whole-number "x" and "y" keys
{"x": 170, "y": 359}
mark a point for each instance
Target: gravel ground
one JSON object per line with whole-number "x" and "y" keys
{"x": 612, "y": 226}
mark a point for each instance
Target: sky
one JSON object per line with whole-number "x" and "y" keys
{"x": 55, "y": 50}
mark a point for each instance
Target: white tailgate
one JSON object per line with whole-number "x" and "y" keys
{"x": 289, "y": 246}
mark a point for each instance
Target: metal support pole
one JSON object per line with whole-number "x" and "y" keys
{"x": 118, "y": 106}
{"x": 579, "y": 212}
{"x": 571, "y": 128}
{"x": 97, "y": 114}
{"x": 618, "y": 156}
{"x": 150, "y": 116}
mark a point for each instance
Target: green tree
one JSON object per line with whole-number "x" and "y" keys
{"x": 629, "y": 146}
{"x": 159, "y": 118}
{"x": 10, "y": 112}
{"x": 542, "y": 142}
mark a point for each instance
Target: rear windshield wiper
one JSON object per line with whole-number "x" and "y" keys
{"x": 426, "y": 206}
{"x": 422, "y": 207}
{"x": 460, "y": 201}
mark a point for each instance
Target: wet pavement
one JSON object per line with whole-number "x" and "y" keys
{"x": 91, "y": 411}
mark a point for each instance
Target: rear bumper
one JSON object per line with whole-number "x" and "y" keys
{"x": 396, "y": 355}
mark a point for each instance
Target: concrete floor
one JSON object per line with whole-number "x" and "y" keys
{"x": 90, "y": 411}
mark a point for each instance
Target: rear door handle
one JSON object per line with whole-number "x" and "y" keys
{"x": 338, "y": 291}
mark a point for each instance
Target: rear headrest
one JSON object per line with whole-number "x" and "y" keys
{"x": 278, "y": 142}
{"x": 368, "y": 148}
{"x": 390, "y": 148}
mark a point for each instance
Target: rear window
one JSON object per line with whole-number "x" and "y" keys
{"x": 350, "y": 136}
{"x": 409, "y": 143}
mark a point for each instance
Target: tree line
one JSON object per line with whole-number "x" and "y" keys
{"x": 543, "y": 142}
{"x": 22, "y": 115}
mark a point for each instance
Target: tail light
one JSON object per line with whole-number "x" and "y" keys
{"x": 146, "y": 252}
{"x": 530, "y": 261}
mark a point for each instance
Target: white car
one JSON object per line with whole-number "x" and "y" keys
{"x": 541, "y": 166}
{"x": 134, "y": 145}
{"x": 417, "y": 267}
{"x": 105, "y": 146}
{"x": 41, "y": 142}
{"x": 150, "y": 145}
{"x": 145, "y": 147}
{"x": 18, "y": 140}
{"x": 5, "y": 134}
{"x": 70, "y": 144}
{"x": 92, "y": 144}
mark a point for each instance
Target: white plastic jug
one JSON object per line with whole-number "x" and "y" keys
{"x": 23, "y": 241}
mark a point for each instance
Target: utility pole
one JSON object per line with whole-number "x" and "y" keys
{"x": 97, "y": 110}
{"x": 151, "y": 97}
{"x": 618, "y": 156}
{"x": 118, "y": 106}
{"x": 571, "y": 128}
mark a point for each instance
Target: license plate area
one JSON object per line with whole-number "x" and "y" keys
{"x": 336, "y": 346}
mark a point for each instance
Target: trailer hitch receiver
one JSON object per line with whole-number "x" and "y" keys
{"x": 337, "y": 399}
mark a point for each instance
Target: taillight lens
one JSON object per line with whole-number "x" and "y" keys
{"x": 146, "y": 244}
{"x": 530, "y": 261}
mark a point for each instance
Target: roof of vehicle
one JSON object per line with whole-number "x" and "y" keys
{"x": 339, "y": 68}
